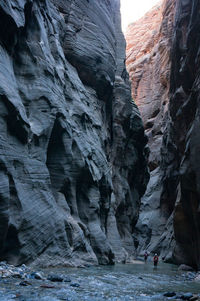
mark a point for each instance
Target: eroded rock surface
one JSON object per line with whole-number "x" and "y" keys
{"x": 181, "y": 142}
{"x": 174, "y": 191}
{"x": 73, "y": 165}
{"x": 148, "y": 62}
{"x": 149, "y": 42}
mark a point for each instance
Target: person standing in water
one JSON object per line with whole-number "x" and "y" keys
{"x": 155, "y": 260}
{"x": 145, "y": 256}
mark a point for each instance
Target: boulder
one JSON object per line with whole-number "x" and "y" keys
{"x": 184, "y": 267}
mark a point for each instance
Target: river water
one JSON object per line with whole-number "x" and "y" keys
{"x": 139, "y": 282}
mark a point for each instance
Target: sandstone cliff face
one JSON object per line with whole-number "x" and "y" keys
{"x": 72, "y": 143}
{"x": 149, "y": 42}
{"x": 175, "y": 186}
{"x": 181, "y": 141}
{"x": 148, "y": 64}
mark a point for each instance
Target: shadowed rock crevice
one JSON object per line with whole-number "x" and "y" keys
{"x": 4, "y": 205}
{"x": 56, "y": 157}
{"x": 11, "y": 245}
{"x": 8, "y": 29}
{"x": 15, "y": 125}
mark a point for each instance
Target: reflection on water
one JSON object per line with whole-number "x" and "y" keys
{"x": 138, "y": 282}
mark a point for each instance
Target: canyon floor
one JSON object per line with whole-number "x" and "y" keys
{"x": 139, "y": 281}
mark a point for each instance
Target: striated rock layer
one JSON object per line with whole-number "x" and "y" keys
{"x": 72, "y": 143}
{"x": 175, "y": 192}
{"x": 181, "y": 141}
{"x": 149, "y": 42}
{"x": 148, "y": 63}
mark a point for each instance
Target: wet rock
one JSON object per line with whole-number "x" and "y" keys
{"x": 191, "y": 275}
{"x": 24, "y": 267}
{"x": 55, "y": 278}
{"x": 187, "y": 296}
{"x": 37, "y": 275}
{"x": 75, "y": 284}
{"x": 18, "y": 275}
{"x": 194, "y": 298}
{"x": 10, "y": 271}
{"x": 47, "y": 286}
{"x": 184, "y": 267}
{"x": 197, "y": 278}
{"x": 25, "y": 283}
{"x": 169, "y": 294}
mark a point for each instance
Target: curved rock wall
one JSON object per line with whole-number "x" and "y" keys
{"x": 169, "y": 218}
{"x": 181, "y": 141}
{"x": 72, "y": 144}
{"x": 149, "y": 42}
{"x": 148, "y": 62}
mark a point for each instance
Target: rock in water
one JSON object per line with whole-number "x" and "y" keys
{"x": 36, "y": 275}
{"x": 187, "y": 296}
{"x": 24, "y": 283}
{"x": 75, "y": 284}
{"x": 72, "y": 144}
{"x": 184, "y": 267}
{"x": 169, "y": 294}
{"x": 55, "y": 278}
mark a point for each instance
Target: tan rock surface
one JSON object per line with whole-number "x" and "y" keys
{"x": 148, "y": 64}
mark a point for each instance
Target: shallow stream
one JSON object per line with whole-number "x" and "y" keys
{"x": 137, "y": 281}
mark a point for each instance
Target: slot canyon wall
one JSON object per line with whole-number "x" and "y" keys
{"x": 72, "y": 144}
{"x": 164, "y": 70}
{"x": 149, "y": 42}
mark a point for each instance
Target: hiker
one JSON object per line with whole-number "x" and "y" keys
{"x": 155, "y": 260}
{"x": 146, "y": 256}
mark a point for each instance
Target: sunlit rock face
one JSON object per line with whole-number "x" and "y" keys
{"x": 148, "y": 63}
{"x": 149, "y": 42}
{"x": 73, "y": 165}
